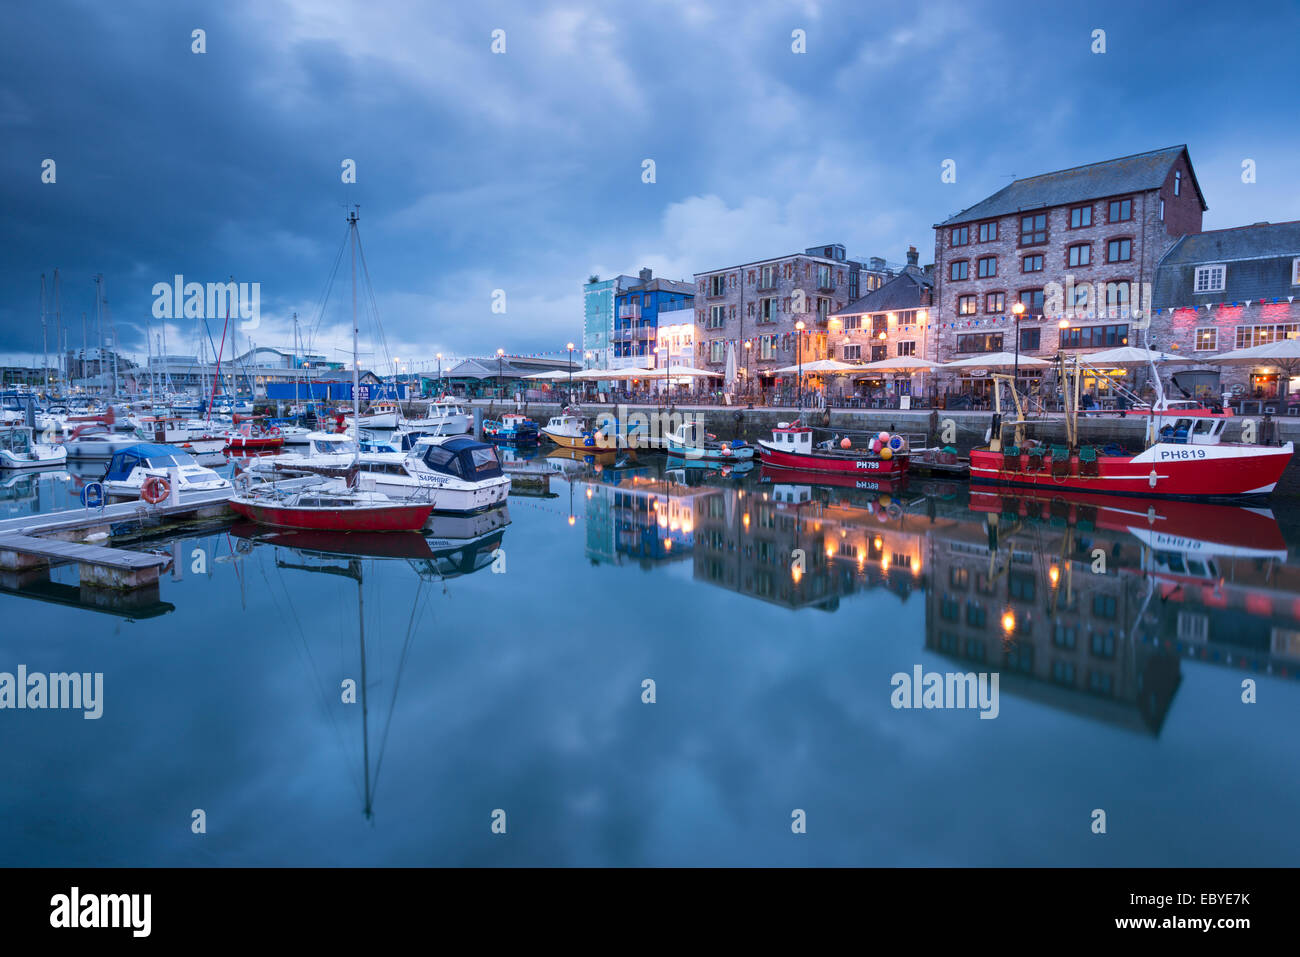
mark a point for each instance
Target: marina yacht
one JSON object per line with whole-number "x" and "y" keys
{"x": 331, "y": 506}
{"x": 443, "y": 416}
{"x": 326, "y": 452}
{"x": 20, "y": 450}
{"x": 456, "y": 474}
{"x": 131, "y": 467}
{"x": 382, "y": 414}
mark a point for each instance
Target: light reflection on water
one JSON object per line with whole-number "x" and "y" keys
{"x": 520, "y": 688}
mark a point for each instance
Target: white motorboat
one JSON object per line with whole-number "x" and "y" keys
{"x": 326, "y": 452}
{"x": 444, "y": 416}
{"x": 457, "y": 474}
{"x": 20, "y": 450}
{"x": 133, "y": 466}
{"x": 96, "y": 442}
{"x": 380, "y": 415}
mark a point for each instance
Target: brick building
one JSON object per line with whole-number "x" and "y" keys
{"x": 760, "y": 302}
{"x": 1078, "y": 247}
{"x": 1230, "y": 289}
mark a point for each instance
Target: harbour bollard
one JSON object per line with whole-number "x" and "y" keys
{"x": 173, "y": 489}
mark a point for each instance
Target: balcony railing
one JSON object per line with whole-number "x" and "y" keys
{"x": 629, "y": 312}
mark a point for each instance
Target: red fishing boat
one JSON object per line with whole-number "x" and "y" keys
{"x": 248, "y": 439}
{"x": 864, "y": 483}
{"x": 331, "y": 508}
{"x": 792, "y": 447}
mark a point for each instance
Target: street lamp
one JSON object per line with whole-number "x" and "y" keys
{"x": 1018, "y": 310}
{"x": 800, "y": 326}
{"x": 570, "y": 373}
{"x": 501, "y": 379}
{"x": 749, "y": 351}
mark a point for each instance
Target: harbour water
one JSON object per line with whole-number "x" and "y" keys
{"x": 500, "y": 667}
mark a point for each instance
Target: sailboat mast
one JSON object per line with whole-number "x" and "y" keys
{"x": 356, "y": 365}
{"x": 45, "y": 342}
{"x": 365, "y": 716}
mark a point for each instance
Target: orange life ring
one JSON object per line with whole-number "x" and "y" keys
{"x": 155, "y": 489}
{"x": 275, "y": 430}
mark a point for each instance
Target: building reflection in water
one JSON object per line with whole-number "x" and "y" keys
{"x": 1088, "y": 604}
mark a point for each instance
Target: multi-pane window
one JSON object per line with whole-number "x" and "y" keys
{"x": 767, "y": 277}
{"x": 824, "y": 280}
{"x": 960, "y": 235}
{"x": 980, "y": 342}
{"x": 959, "y": 269}
{"x": 1077, "y": 297}
{"x": 907, "y": 348}
{"x": 1210, "y": 278}
{"x": 1032, "y": 263}
{"x": 1117, "y": 299}
{"x": 987, "y": 266}
{"x": 1094, "y": 337}
{"x": 767, "y": 347}
{"x": 988, "y": 232}
{"x": 1121, "y": 210}
{"x": 852, "y": 352}
{"x": 1295, "y": 272}
{"x": 1032, "y": 299}
{"x": 768, "y": 309}
{"x": 1030, "y": 340}
{"x": 965, "y": 305}
{"x": 717, "y": 285}
{"x": 1250, "y": 336}
{"x": 1080, "y": 217}
{"x": 1079, "y": 255}
{"x": 717, "y": 350}
{"x": 995, "y": 303}
{"x": 878, "y": 353}
{"x": 823, "y": 308}
{"x": 852, "y": 322}
{"x": 1033, "y": 229}
{"x": 1207, "y": 340}
{"x": 717, "y": 317}
{"x": 1119, "y": 250}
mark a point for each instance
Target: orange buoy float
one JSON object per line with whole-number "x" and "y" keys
{"x": 845, "y": 443}
{"x": 155, "y": 489}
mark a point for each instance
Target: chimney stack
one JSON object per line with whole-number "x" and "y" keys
{"x": 913, "y": 257}
{"x": 646, "y": 273}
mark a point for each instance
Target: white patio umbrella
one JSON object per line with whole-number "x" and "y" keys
{"x": 553, "y": 374}
{"x": 1281, "y": 352}
{"x": 1129, "y": 355}
{"x": 729, "y": 375}
{"x": 678, "y": 372}
{"x": 821, "y": 365}
{"x": 996, "y": 360}
{"x": 909, "y": 364}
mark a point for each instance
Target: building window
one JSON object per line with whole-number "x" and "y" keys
{"x": 717, "y": 350}
{"x": 1032, "y": 263}
{"x": 1079, "y": 255}
{"x": 1119, "y": 250}
{"x": 1210, "y": 278}
{"x": 824, "y": 280}
{"x": 1033, "y": 229}
{"x": 1162, "y": 211}
{"x": 878, "y": 353}
{"x": 960, "y": 235}
{"x": 767, "y": 309}
{"x": 1117, "y": 299}
{"x": 987, "y": 266}
{"x": 853, "y": 286}
{"x": 1207, "y": 340}
{"x": 1032, "y": 300}
{"x": 959, "y": 270}
{"x": 1295, "y": 272}
{"x": 965, "y": 305}
{"x": 1250, "y": 336}
{"x": 1076, "y": 297}
{"x": 1178, "y": 182}
{"x": 907, "y": 348}
{"x": 1030, "y": 339}
{"x": 851, "y": 352}
{"x": 988, "y": 232}
{"x": 980, "y": 342}
{"x": 1080, "y": 217}
{"x": 767, "y": 277}
{"x": 717, "y": 285}
{"x": 1094, "y": 337}
{"x": 717, "y": 317}
{"x": 767, "y": 347}
{"x": 1121, "y": 210}
{"x": 995, "y": 303}
{"x": 852, "y": 323}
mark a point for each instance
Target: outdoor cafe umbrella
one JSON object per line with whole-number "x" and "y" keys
{"x": 1129, "y": 355}
{"x": 908, "y": 365}
{"x": 1283, "y": 352}
{"x": 821, "y": 365}
{"x": 552, "y": 374}
{"x": 729, "y": 376}
{"x": 995, "y": 360}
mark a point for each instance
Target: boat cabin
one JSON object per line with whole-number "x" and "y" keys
{"x": 330, "y": 443}
{"x": 792, "y": 438}
{"x": 127, "y": 460}
{"x": 462, "y": 458}
{"x": 1190, "y": 429}
{"x": 16, "y": 439}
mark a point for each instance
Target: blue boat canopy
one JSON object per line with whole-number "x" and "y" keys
{"x": 125, "y": 460}
{"x": 464, "y": 458}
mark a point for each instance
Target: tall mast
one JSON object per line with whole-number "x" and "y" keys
{"x": 58, "y": 328}
{"x": 356, "y": 365}
{"x": 45, "y": 343}
{"x": 99, "y": 330}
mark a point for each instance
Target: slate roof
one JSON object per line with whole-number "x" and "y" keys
{"x": 901, "y": 292}
{"x": 483, "y": 369}
{"x": 1128, "y": 174}
{"x": 1258, "y": 259}
{"x": 664, "y": 285}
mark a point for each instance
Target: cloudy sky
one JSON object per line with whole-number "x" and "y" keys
{"x": 522, "y": 171}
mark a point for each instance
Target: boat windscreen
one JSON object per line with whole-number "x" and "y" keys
{"x": 484, "y": 461}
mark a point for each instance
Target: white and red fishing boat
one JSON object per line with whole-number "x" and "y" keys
{"x": 792, "y": 447}
{"x": 246, "y": 438}
{"x": 1184, "y": 455}
{"x": 329, "y": 508}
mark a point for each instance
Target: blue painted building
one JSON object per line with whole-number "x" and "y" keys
{"x": 598, "y": 318}
{"x": 638, "y": 313}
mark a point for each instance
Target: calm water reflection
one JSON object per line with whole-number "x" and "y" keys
{"x": 504, "y": 656}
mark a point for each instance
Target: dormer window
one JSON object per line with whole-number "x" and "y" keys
{"x": 1210, "y": 278}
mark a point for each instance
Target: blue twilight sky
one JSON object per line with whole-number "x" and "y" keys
{"x": 523, "y": 171}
